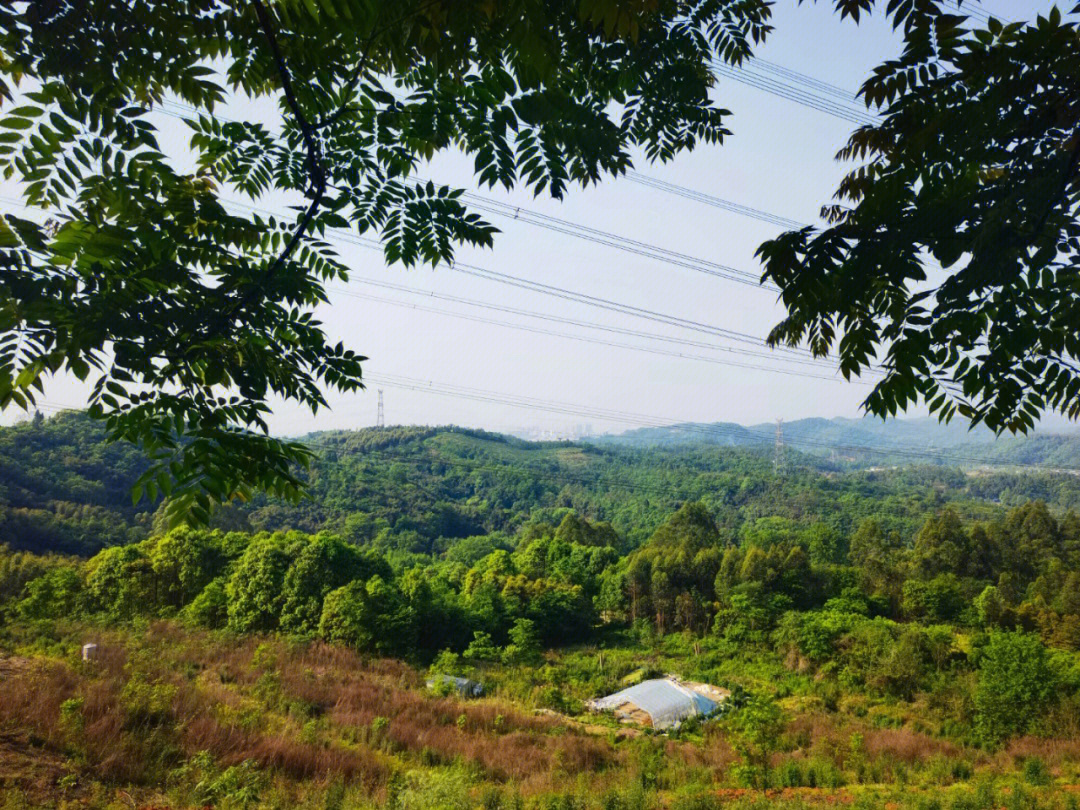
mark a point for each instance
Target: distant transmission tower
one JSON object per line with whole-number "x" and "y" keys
{"x": 778, "y": 449}
{"x": 380, "y": 420}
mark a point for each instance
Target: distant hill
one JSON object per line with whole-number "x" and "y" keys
{"x": 431, "y": 490}
{"x": 871, "y": 441}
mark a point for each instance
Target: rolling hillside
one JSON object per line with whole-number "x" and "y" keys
{"x": 873, "y": 441}
{"x": 425, "y": 490}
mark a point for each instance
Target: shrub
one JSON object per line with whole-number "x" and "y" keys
{"x": 56, "y": 594}
{"x": 238, "y": 787}
{"x": 211, "y": 607}
{"x": 1035, "y": 772}
{"x": 788, "y": 775}
{"x": 147, "y": 704}
{"x": 1016, "y": 683}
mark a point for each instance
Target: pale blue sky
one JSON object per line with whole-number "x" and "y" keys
{"x": 779, "y": 159}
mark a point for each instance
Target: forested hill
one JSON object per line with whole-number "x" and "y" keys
{"x": 433, "y": 490}
{"x": 874, "y": 441}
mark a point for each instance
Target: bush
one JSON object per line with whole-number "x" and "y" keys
{"x": 205, "y": 784}
{"x": 1016, "y": 684}
{"x": 1035, "y": 772}
{"x": 551, "y": 697}
{"x": 788, "y": 775}
{"x": 210, "y": 608}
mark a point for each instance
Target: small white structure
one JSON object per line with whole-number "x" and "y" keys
{"x": 661, "y": 703}
{"x": 463, "y": 686}
{"x": 89, "y": 652}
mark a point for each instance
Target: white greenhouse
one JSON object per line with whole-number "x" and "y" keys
{"x": 662, "y": 703}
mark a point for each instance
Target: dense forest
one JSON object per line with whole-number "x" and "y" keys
{"x": 422, "y": 490}
{"x": 912, "y": 629}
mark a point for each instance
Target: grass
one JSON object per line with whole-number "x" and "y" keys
{"x": 170, "y": 717}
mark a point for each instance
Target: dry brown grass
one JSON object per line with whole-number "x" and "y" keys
{"x": 1054, "y": 752}
{"x": 507, "y": 743}
{"x": 26, "y": 768}
{"x": 904, "y": 745}
{"x": 124, "y": 746}
{"x": 830, "y": 736}
{"x": 214, "y": 685}
{"x": 716, "y": 754}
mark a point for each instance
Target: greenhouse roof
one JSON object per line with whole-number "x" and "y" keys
{"x": 666, "y": 701}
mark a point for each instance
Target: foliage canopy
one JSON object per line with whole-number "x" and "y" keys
{"x": 974, "y": 166}
{"x": 189, "y": 313}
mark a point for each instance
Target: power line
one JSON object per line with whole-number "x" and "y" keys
{"x": 340, "y": 235}
{"x": 785, "y": 90}
{"x": 808, "y": 91}
{"x": 579, "y": 231}
{"x": 613, "y": 306}
{"x": 779, "y": 353}
{"x": 598, "y": 341}
{"x": 709, "y": 199}
{"x": 574, "y": 322}
{"x": 798, "y": 77}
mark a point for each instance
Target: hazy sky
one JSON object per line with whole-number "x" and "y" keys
{"x": 778, "y": 159}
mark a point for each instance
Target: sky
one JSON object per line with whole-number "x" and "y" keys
{"x": 779, "y": 159}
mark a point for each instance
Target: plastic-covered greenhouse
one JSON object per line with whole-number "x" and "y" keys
{"x": 664, "y": 701}
{"x": 465, "y": 686}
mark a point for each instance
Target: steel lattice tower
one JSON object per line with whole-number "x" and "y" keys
{"x": 778, "y": 449}
{"x": 380, "y": 419}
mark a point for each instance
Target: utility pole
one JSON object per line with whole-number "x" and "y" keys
{"x": 380, "y": 420}
{"x": 778, "y": 449}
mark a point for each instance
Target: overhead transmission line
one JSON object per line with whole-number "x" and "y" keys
{"x": 685, "y": 192}
{"x": 842, "y": 93}
{"x": 787, "y": 90}
{"x": 341, "y": 235}
{"x": 782, "y": 354}
{"x": 587, "y": 339}
{"x": 573, "y": 322}
{"x": 614, "y": 306}
{"x": 578, "y": 231}
{"x": 814, "y": 93}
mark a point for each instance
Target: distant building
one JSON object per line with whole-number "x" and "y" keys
{"x": 463, "y": 686}
{"x": 661, "y": 703}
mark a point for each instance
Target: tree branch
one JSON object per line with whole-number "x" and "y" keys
{"x": 316, "y": 171}
{"x": 1063, "y": 190}
{"x": 358, "y": 71}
